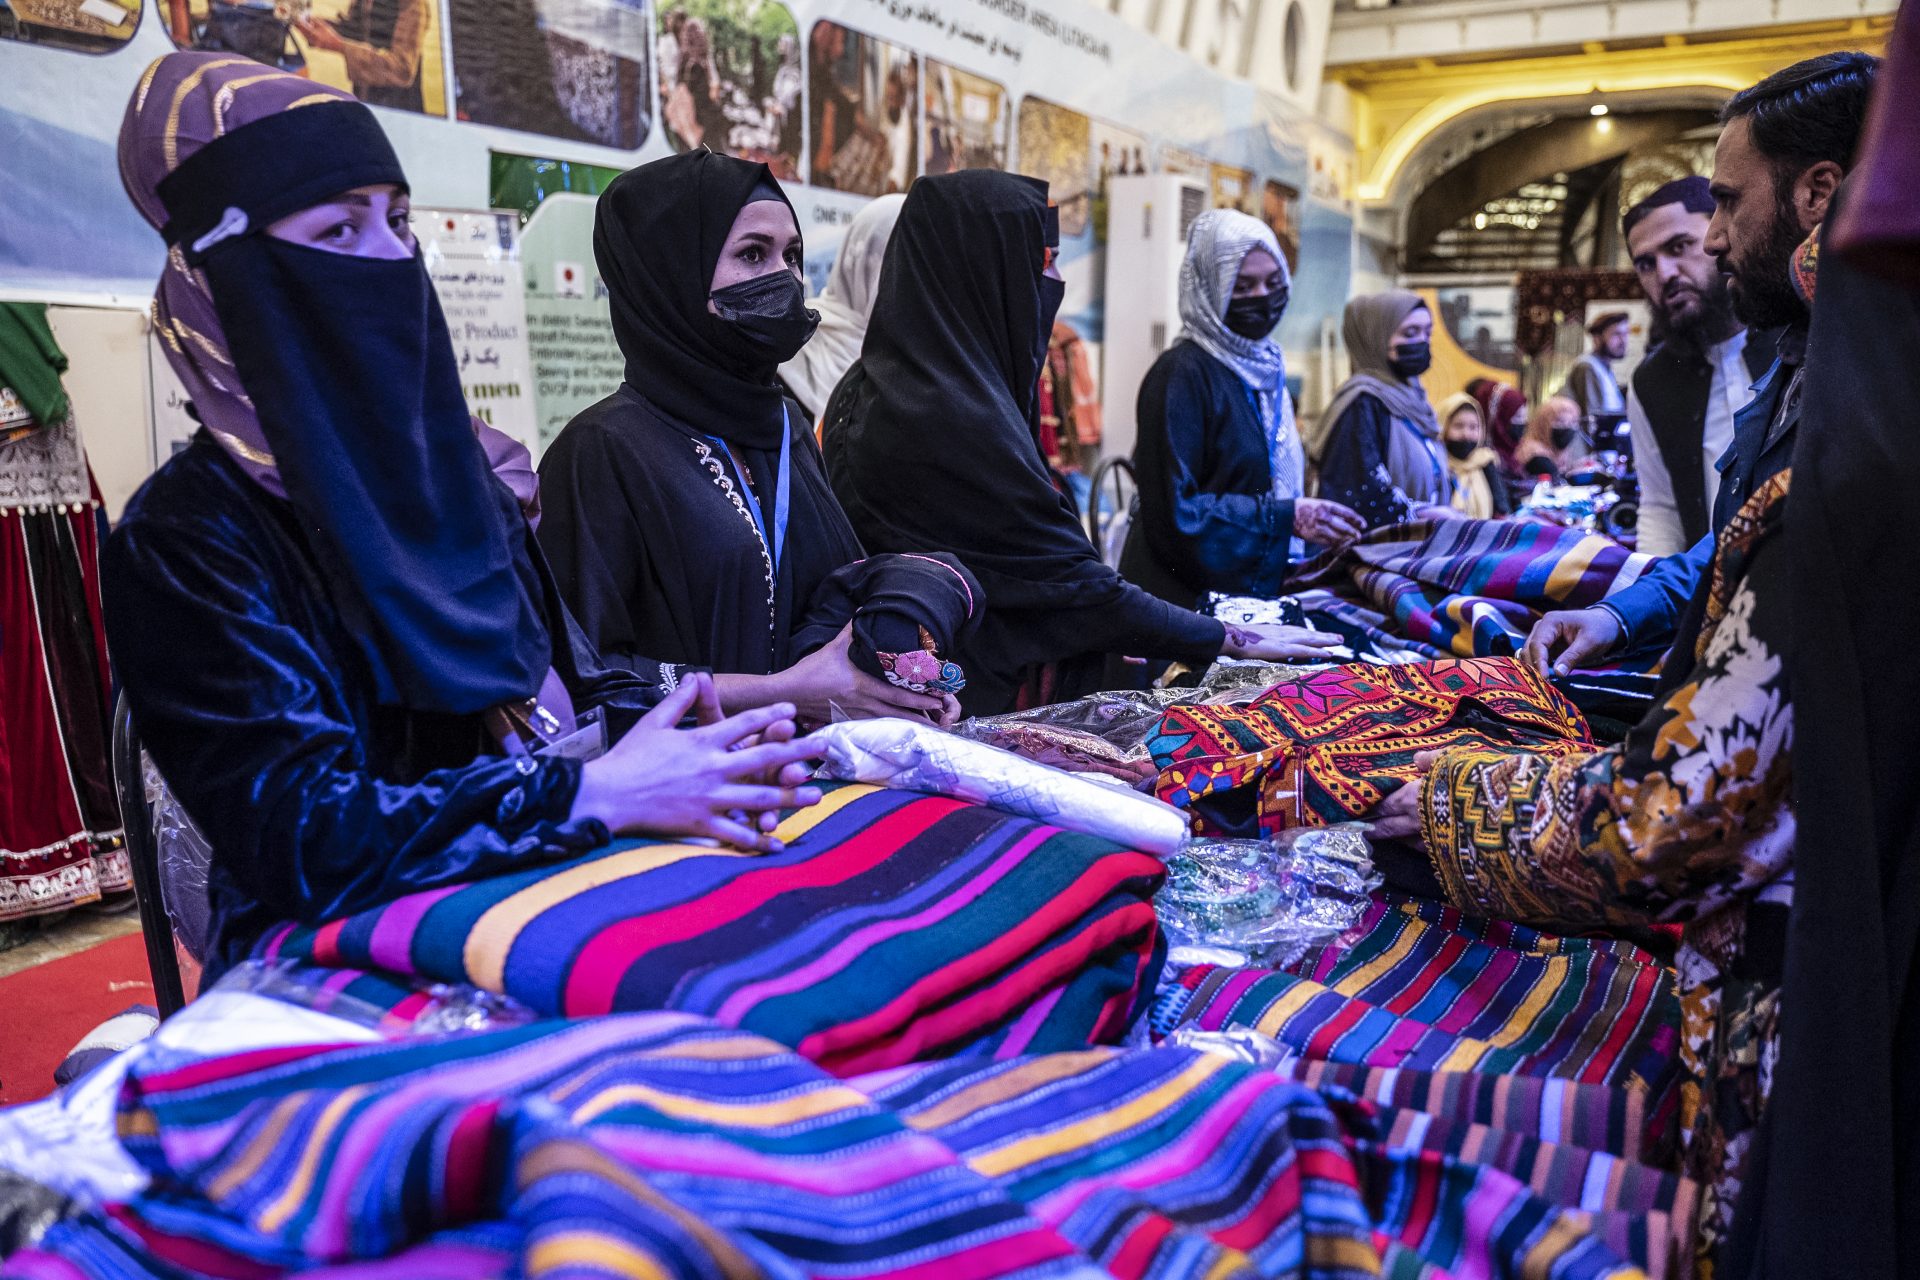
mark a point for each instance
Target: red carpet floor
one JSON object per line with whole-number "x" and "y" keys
{"x": 45, "y": 1010}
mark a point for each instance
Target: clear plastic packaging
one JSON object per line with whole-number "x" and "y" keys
{"x": 919, "y": 757}
{"x": 1236, "y": 1042}
{"x": 451, "y": 1007}
{"x": 184, "y": 858}
{"x": 1264, "y": 903}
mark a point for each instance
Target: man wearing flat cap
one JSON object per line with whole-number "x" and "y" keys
{"x": 1591, "y": 384}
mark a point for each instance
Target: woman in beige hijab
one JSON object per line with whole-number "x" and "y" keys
{"x": 1378, "y": 444}
{"x": 1479, "y": 489}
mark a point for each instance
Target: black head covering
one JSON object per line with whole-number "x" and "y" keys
{"x": 1836, "y": 1187}
{"x": 657, "y": 237}
{"x": 350, "y": 370}
{"x": 897, "y": 604}
{"x": 932, "y": 438}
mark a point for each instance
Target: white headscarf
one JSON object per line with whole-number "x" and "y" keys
{"x": 844, "y": 307}
{"x": 1216, "y": 247}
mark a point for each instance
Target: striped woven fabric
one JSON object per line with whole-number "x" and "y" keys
{"x": 1417, "y": 984}
{"x": 659, "y": 1145}
{"x": 1473, "y": 588}
{"x": 1327, "y": 747}
{"x": 894, "y": 927}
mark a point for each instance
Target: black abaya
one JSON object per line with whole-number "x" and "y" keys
{"x": 1836, "y": 1191}
{"x": 654, "y": 545}
{"x": 932, "y": 443}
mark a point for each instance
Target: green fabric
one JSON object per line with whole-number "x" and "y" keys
{"x": 31, "y": 362}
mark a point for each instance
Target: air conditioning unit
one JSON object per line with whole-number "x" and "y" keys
{"x": 1148, "y": 216}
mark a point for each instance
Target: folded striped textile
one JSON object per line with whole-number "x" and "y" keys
{"x": 657, "y": 1145}
{"x": 1419, "y": 984}
{"x": 1329, "y": 746}
{"x": 1473, "y": 588}
{"x": 894, "y": 927}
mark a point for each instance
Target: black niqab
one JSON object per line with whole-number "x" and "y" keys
{"x": 351, "y": 371}
{"x": 1835, "y": 1189}
{"x": 946, "y": 394}
{"x": 657, "y": 239}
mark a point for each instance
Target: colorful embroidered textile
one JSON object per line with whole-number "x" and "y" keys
{"x": 1473, "y": 587}
{"x": 1328, "y": 747}
{"x": 1688, "y": 821}
{"x": 892, "y": 928}
{"x": 1418, "y": 984}
{"x": 662, "y": 1145}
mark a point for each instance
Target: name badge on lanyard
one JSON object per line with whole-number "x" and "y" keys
{"x": 777, "y": 543}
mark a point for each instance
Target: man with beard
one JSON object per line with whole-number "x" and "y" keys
{"x": 1785, "y": 144}
{"x": 1686, "y": 392}
{"x": 1591, "y": 383}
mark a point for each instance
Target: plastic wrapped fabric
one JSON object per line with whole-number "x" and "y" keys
{"x": 184, "y": 859}
{"x": 1264, "y": 903}
{"x": 915, "y": 756}
{"x": 27, "y": 1209}
{"x": 1236, "y": 1043}
{"x": 390, "y": 1008}
{"x": 1107, "y": 732}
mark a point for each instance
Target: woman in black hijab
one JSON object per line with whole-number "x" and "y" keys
{"x": 341, "y": 647}
{"x": 932, "y": 440}
{"x": 688, "y": 516}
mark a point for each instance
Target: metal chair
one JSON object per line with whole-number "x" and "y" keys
{"x": 143, "y": 851}
{"x": 1104, "y": 524}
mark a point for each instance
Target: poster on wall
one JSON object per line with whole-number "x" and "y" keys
{"x": 1056, "y": 146}
{"x": 84, "y": 26}
{"x": 571, "y": 69}
{"x": 1115, "y": 153}
{"x": 1280, "y": 210}
{"x": 474, "y": 259}
{"x": 384, "y": 52}
{"x": 969, "y": 120}
{"x": 730, "y": 81}
{"x": 1232, "y": 188}
{"x": 576, "y": 361}
{"x": 863, "y": 121}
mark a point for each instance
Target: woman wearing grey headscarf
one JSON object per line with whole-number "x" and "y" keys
{"x": 1378, "y": 444}
{"x": 1218, "y": 460}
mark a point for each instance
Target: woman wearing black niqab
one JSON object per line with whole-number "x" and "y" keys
{"x": 932, "y": 441}
{"x": 341, "y": 648}
{"x": 688, "y": 515}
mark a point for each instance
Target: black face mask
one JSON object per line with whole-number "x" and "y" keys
{"x": 769, "y": 313}
{"x": 350, "y": 367}
{"x": 1462, "y": 449}
{"x": 1052, "y": 294}
{"x": 1563, "y": 437}
{"x": 1411, "y": 359}
{"x": 1254, "y": 317}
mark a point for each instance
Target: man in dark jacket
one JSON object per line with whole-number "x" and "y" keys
{"x": 1785, "y": 144}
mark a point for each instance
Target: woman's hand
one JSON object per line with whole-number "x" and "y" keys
{"x": 826, "y": 680}
{"x": 1274, "y": 643}
{"x": 1326, "y": 522}
{"x": 660, "y": 780}
{"x": 320, "y": 34}
{"x": 1437, "y": 512}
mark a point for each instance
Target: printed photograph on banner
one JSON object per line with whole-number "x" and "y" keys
{"x": 1330, "y": 179}
{"x": 571, "y": 69}
{"x": 1182, "y": 161}
{"x": 729, "y": 73}
{"x": 1233, "y": 189}
{"x": 1114, "y": 153}
{"x": 84, "y": 26}
{"x": 968, "y": 121}
{"x": 1280, "y": 210}
{"x": 1056, "y": 146}
{"x": 863, "y": 122}
{"x": 1481, "y": 320}
{"x": 384, "y": 52}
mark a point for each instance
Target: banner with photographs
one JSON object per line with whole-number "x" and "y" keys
{"x": 385, "y": 52}
{"x": 730, "y": 81}
{"x": 578, "y": 70}
{"x": 84, "y": 26}
{"x": 863, "y": 112}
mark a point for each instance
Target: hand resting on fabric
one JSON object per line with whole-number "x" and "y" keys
{"x": 1398, "y": 816}
{"x": 1326, "y": 522}
{"x": 826, "y": 681}
{"x": 1275, "y": 642}
{"x": 1577, "y": 635}
{"x": 725, "y": 781}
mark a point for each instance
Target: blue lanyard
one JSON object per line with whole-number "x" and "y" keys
{"x": 776, "y": 545}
